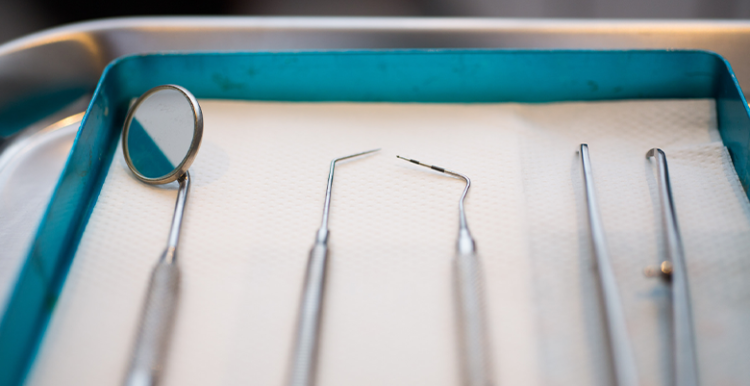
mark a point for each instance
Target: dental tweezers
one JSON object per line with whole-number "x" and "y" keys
{"x": 621, "y": 351}
{"x": 684, "y": 362}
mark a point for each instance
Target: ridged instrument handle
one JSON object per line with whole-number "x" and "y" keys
{"x": 472, "y": 322}
{"x": 305, "y": 354}
{"x": 156, "y": 324}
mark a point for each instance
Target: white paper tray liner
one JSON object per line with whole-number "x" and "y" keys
{"x": 256, "y": 202}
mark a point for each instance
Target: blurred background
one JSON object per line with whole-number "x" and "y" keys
{"x": 21, "y": 17}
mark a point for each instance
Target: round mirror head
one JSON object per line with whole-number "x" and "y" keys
{"x": 162, "y": 134}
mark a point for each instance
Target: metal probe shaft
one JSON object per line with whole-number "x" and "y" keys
{"x": 305, "y": 355}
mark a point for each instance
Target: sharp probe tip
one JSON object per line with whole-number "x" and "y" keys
{"x": 367, "y": 152}
{"x": 433, "y": 167}
{"x": 412, "y": 161}
{"x": 355, "y": 155}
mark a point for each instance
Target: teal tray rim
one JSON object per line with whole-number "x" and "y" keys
{"x": 34, "y": 296}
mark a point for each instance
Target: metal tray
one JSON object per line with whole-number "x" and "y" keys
{"x": 48, "y": 77}
{"x": 424, "y": 76}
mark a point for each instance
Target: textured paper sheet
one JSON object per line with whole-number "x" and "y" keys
{"x": 256, "y": 202}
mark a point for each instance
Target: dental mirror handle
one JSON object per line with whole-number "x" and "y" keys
{"x": 159, "y": 309}
{"x": 155, "y": 325}
{"x": 476, "y": 371}
{"x": 308, "y": 326}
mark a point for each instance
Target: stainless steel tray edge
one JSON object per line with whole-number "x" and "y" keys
{"x": 77, "y": 53}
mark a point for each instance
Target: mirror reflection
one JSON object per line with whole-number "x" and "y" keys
{"x": 160, "y": 132}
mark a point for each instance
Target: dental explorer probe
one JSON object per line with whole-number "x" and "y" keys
{"x": 305, "y": 355}
{"x": 621, "y": 351}
{"x": 684, "y": 362}
{"x": 475, "y": 352}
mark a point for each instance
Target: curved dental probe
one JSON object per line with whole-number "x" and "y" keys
{"x": 465, "y": 241}
{"x": 475, "y": 352}
{"x": 304, "y": 357}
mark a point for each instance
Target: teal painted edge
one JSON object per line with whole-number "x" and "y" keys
{"x": 408, "y": 76}
{"x": 35, "y": 294}
{"x": 441, "y": 76}
{"x": 732, "y": 112}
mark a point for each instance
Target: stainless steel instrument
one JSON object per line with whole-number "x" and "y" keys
{"x": 621, "y": 351}
{"x": 684, "y": 361}
{"x": 161, "y": 137}
{"x": 476, "y": 365}
{"x": 305, "y": 355}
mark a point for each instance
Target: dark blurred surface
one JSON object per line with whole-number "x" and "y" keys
{"x": 21, "y": 17}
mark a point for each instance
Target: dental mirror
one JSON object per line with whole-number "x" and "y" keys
{"x": 160, "y": 140}
{"x": 162, "y": 134}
